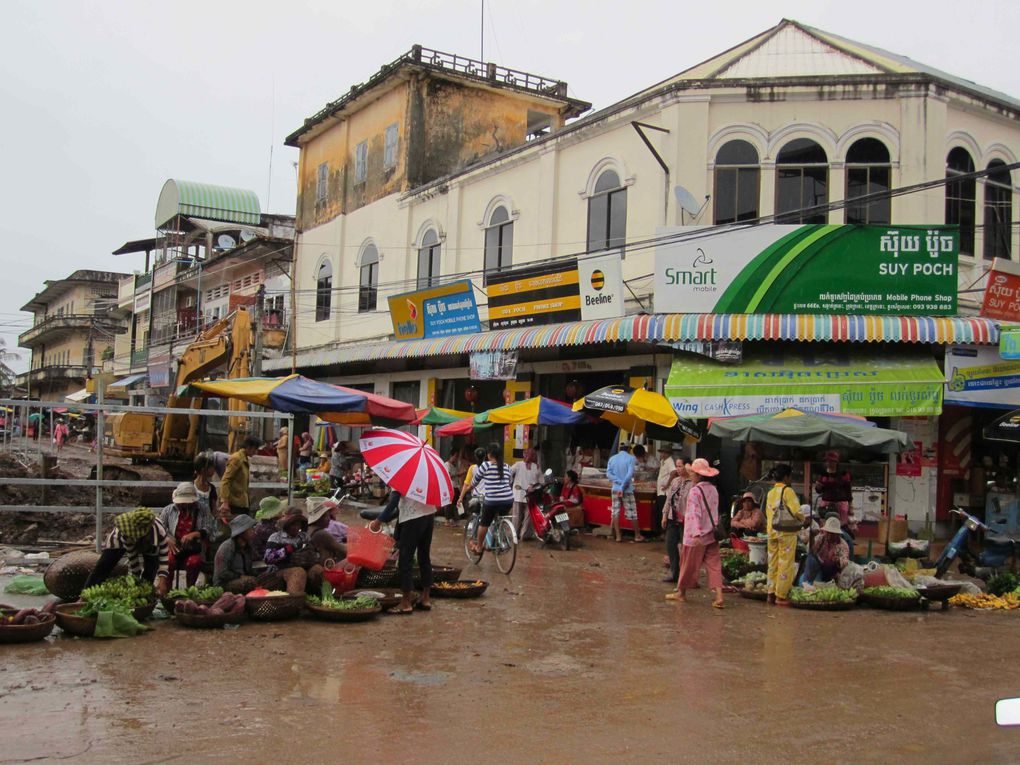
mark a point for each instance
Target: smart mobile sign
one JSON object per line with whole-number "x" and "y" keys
{"x": 822, "y": 269}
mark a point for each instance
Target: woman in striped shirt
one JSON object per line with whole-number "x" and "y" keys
{"x": 140, "y": 536}
{"x": 494, "y": 477}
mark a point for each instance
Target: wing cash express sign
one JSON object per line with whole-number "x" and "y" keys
{"x": 820, "y": 269}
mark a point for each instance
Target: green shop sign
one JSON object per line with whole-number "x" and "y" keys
{"x": 819, "y": 379}
{"x": 1009, "y": 343}
{"x": 812, "y": 269}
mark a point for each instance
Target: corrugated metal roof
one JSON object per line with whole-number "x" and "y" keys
{"x": 667, "y": 328}
{"x": 203, "y": 200}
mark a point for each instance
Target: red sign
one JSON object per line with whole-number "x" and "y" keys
{"x": 1002, "y": 293}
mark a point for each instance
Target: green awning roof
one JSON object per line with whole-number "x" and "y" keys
{"x": 203, "y": 200}
{"x": 882, "y": 383}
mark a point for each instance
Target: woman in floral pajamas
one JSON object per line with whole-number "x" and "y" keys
{"x": 782, "y": 544}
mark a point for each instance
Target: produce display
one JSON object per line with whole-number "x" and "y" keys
{"x": 752, "y": 582}
{"x": 734, "y": 565}
{"x": 1001, "y": 584}
{"x": 457, "y": 585}
{"x": 121, "y": 595}
{"x": 264, "y": 593}
{"x": 823, "y": 595}
{"x": 25, "y": 616}
{"x": 906, "y": 593}
{"x": 227, "y": 604}
{"x": 987, "y": 601}
{"x": 195, "y": 593}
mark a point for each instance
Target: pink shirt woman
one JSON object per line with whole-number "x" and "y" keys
{"x": 702, "y": 498}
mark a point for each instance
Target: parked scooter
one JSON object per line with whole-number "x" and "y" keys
{"x": 549, "y": 519}
{"x": 997, "y": 551}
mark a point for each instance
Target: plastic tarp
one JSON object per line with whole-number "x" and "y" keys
{"x": 810, "y": 432}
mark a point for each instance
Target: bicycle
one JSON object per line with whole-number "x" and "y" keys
{"x": 501, "y": 540}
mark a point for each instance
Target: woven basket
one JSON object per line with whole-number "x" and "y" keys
{"x": 809, "y": 605}
{"x": 202, "y": 621}
{"x": 466, "y": 592}
{"x": 85, "y": 626}
{"x": 275, "y": 608}
{"x": 439, "y": 574}
{"x": 390, "y": 597}
{"x": 26, "y": 633}
{"x": 753, "y": 594}
{"x": 387, "y": 577}
{"x": 169, "y": 604}
{"x": 890, "y": 603}
{"x": 65, "y": 577}
{"x": 343, "y": 615}
{"x": 941, "y": 591}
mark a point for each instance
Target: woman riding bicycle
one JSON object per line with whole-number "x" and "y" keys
{"x": 494, "y": 477}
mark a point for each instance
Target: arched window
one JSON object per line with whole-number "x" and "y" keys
{"x": 323, "y": 290}
{"x": 607, "y": 213}
{"x": 960, "y": 197}
{"x": 802, "y": 181}
{"x": 368, "y": 287}
{"x": 868, "y": 172}
{"x": 428, "y": 260}
{"x": 499, "y": 241}
{"x": 736, "y": 182}
{"x": 998, "y": 211}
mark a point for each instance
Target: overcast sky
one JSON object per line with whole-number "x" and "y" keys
{"x": 103, "y": 101}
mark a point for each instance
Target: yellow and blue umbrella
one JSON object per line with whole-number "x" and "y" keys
{"x": 636, "y": 410}
{"x": 297, "y": 394}
{"x": 531, "y": 411}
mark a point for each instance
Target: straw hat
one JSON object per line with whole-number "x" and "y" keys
{"x": 832, "y": 526}
{"x": 240, "y": 524}
{"x": 321, "y": 510}
{"x": 269, "y": 508}
{"x": 701, "y": 467}
{"x": 185, "y": 494}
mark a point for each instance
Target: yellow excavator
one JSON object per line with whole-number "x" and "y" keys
{"x": 172, "y": 440}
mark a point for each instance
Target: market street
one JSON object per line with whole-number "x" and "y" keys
{"x": 574, "y": 658}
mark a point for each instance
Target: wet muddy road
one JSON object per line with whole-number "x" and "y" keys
{"x": 574, "y": 658}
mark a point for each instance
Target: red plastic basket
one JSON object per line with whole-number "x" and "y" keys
{"x": 343, "y": 576}
{"x": 739, "y": 544}
{"x": 368, "y": 549}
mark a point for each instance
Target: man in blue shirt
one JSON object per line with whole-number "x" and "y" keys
{"x": 620, "y": 470}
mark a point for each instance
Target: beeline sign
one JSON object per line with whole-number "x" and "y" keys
{"x": 1002, "y": 293}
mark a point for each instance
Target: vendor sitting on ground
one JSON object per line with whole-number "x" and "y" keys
{"x": 268, "y": 515}
{"x": 290, "y": 550}
{"x": 829, "y": 553}
{"x": 325, "y": 544}
{"x": 337, "y": 529}
{"x": 234, "y": 566}
{"x": 189, "y": 526}
{"x": 749, "y": 519}
{"x": 139, "y": 535}
{"x": 571, "y": 494}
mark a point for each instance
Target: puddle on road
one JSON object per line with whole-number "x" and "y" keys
{"x": 420, "y": 678}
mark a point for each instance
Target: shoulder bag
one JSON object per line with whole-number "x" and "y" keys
{"x": 783, "y": 519}
{"x": 717, "y": 531}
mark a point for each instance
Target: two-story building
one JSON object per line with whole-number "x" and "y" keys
{"x": 441, "y": 169}
{"x": 73, "y": 331}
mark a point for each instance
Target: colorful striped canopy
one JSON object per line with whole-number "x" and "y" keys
{"x": 436, "y": 415}
{"x": 297, "y": 394}
{"x": 203, "y": 200}
{"x": 532, "y": 411}
{"x": 656, "y": 328}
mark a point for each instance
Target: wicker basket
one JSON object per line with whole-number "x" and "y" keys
{"x": 202, "y": 621}
{"x": 466, "y": 592}
{"x": 65, "y": 577}
{"x": 343, "y": 615}
{"x": 26, "y": 633}
{"x": 439, "y": 574}
{"x": 753, "y": 594}
{"x": 170, "y": 604}
{"x": 941, "y": 591}
{"x": 824, "y": 605}
{"x": 274, "y": 609}
{"x": 387, "y": 577}
{"x": 390, "y": 597}
{"x": 85, "y": 626}
{"x": 890, "y": 603}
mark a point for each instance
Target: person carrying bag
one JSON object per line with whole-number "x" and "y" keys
{"x": 783, "y": 523}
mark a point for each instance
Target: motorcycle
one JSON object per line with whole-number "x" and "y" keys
{"x": 997, "y": 550}
{"x": 549, "y": 519}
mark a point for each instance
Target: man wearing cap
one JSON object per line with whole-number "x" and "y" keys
{"x": 620, "y": 470}
{"x": 666, "y": 467}
{"x": 139, "y": 535}
{"x": 189, "y": 527}
{"x": 234, "y": 567}
{"x": 236, "y": 476}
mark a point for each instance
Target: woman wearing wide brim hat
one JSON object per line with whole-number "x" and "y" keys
{"x": 234, "y": 566}
{"x": 289, "y": 549}
{"x": 749, "y": 519}
{"x": 700, "y": 548}
{"x": 326, "y": 545}
{"x": 830, "y": 551}
{"x": 269, "y": 512}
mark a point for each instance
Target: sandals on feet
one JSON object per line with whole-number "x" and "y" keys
{"x": 397, "y": 610}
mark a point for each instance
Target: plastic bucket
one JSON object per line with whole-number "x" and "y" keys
{"x": 757, "y": 551}
{"x": 367, "y": 549}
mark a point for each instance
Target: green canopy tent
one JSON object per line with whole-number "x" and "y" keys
{"x": 793, "y": 427}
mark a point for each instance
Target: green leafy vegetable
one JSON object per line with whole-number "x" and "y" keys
{"x": 329, "y": 600}
{"x": 1003, "y": 583}
{"x": 823, "y": 595}
{"x": 121, "y": 595}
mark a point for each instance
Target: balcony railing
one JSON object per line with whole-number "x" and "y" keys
{"x": 49, "y": 372}
{"x": 142, "y": 281}
{"x": 140, "y": 356}
{"x": 54, "y": 323}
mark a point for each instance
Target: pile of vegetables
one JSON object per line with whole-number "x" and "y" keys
{"x": 734, "y": 566}
{"x": 457, "y": 585}
{"x": 823, "y": 595}
{"x": 121, "y": 595}
{"x": 1000, "y": 584}
{"x": 906, "y": 593}
{"x": 261, "y": 592}
{"x": 195, "y": 593}
{"x": 330, "y": 601}
{"x": 228, "y": 604}
{"x": 13, "y": 617}
{"x": 1009, "y": 602}
{"x": 755, "y": 581}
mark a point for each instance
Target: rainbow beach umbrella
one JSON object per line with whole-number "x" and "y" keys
{"x": 538, "y": 410}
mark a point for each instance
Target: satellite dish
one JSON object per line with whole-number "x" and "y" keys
{"x": 247, "y": 235}
{"x": 686, "y": 200}
{"x": 225, "y": 241}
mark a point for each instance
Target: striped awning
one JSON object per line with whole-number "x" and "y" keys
{"x": 203, "y": 200}
{"x": 669, "y": 328}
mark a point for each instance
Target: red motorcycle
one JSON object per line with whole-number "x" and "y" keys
{"x": 548, "y": 518}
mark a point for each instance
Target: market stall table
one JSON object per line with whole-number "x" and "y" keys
{"x": 597, "y": 491}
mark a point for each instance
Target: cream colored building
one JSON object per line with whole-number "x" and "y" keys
{"x": 73, "y": 331}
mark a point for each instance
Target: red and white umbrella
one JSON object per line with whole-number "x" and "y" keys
{"x": 407, "y": 464}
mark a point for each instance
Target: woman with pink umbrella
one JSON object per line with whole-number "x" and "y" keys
{"x": 419, "y": 483}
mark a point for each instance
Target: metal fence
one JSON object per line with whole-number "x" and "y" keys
{"x": 15, "y": 441}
